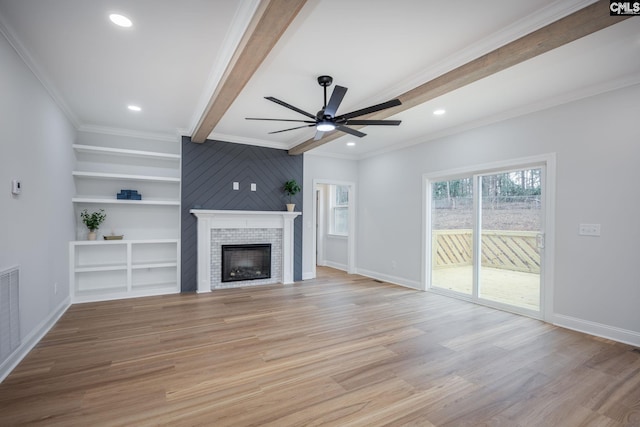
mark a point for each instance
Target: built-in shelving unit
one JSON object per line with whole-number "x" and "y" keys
{"x": 112, "y": 269}
{"x": 147, "y": 260}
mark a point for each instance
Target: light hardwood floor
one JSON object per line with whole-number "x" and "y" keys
{"x": 339, "y": 350}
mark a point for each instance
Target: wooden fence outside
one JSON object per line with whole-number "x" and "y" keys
{"x": 509, "y": 250}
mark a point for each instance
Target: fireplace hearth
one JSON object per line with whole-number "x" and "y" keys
{"x": 246, "y": 262}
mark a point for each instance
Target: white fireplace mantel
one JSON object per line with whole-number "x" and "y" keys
{"x": 221, "y": 219}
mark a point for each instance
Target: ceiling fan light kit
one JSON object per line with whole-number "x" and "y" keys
{"x": 326, "y": 120}
{"x": 325, "y": 126}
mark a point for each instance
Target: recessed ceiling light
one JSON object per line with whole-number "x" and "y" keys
{"x": 120, "y": 20}
{"x": 439, "y": 112}
{"x": 134, "y": 108}
{"x": 351, "y": 144}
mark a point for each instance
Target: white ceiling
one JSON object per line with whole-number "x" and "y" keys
{"x": 170, "y": 61}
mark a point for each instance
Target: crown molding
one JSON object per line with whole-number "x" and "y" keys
{"x": 9, "y": 34}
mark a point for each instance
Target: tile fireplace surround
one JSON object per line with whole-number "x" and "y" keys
{"x": 210, "y": 222}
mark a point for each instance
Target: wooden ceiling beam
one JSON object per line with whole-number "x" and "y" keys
{"x": 269, "y": 22}
{"x": 581, "y": 23}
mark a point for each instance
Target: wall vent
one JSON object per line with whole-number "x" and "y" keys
{"x": 9, "y": 314}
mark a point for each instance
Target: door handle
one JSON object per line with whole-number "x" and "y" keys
{"x": 540, "y": 240}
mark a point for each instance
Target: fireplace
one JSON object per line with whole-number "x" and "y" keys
{"x": 246, "y": 262}
{"x": 221, "y": 228}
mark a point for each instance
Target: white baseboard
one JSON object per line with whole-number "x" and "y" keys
{"x": 32, "y": 339}
{"x": 598, "y": 329}
{"x": 391, "y": 279}
{"x": 308, "y": 275}
{"x": 336, "y": 265}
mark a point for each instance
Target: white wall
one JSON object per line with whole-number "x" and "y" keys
{"x": 36, "y": 226}
{"x": 597, "y": 142}
{"x": 322, "y": 169}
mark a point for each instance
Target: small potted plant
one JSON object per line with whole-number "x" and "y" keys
{"x": 93, "y": 221}
{"x": 291, "y": 188}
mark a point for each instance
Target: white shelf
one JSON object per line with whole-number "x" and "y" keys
{"x": 94, "y": 268}
{"x": 102, "y": 290}
{"x": 126, "y": 202}
{"x": 103, "y": 175}
{"x": 122, "y": 242}
{"x": 154, "y": 286}
{"x": 123, "y": 152}
{"x": 171, "y": 264}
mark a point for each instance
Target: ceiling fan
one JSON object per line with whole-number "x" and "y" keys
{"x": 326, "y": 120}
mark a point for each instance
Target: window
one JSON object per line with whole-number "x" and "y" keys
{"x": 340, "y": 210}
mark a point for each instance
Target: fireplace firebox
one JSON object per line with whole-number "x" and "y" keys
{"x": 246, "y": 262}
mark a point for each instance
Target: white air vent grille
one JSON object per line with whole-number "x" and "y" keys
{"x": 9, "y": 315}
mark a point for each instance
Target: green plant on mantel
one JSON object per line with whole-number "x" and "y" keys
{"x": 291, "y": 188}
{"x": 94, "y": 219}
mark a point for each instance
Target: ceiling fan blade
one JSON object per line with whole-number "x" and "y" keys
{"x": 351, "y": 131}
{"x": 289, "y": 106}
{"x": 298, "y": 127}
{"x": 372, "y": 109}
{"x": 334, "y": 102}
{"x": 373, "y": 122}
{"x": 280, "y": 120}
{"x": 319, "y": 135}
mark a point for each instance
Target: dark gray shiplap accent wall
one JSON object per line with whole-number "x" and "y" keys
{"x": 208, "y": 173}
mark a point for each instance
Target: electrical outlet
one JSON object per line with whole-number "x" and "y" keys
{"x": 253, "y": 186}
{"x": 236, "y": 185}
{"x": 394, "y": 264}
{"x": 589, "y": 230}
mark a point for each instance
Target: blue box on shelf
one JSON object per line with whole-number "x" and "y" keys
{"x": 128, "y": 195}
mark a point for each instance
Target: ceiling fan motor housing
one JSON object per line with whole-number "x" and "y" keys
{"x": 321, "y": 116}
{"x": 325, "y": 81}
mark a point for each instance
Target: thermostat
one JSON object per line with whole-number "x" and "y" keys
{"x": 16, "y": 187}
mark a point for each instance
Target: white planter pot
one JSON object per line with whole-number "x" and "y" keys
{"x": 92, "y": 235}
{"x": 291, "y": 207}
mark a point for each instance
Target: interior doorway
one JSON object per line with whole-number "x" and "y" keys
{"x": 334, "y": 225}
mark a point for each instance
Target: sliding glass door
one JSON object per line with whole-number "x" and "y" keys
{"x": 487, "y": 236}
{"x": 510, "y": 232}
{"x": 452, "y": 221}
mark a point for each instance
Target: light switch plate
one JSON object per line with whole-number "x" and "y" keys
{"x": 236, "y": 185}
{"x": 253, "y": 186}
{"x": 589, "y": 230}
